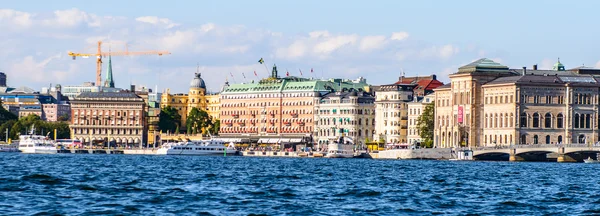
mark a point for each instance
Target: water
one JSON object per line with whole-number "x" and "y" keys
{"x": 174, "y": 185}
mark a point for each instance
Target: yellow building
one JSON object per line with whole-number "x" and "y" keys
{"x": 196, "y": 97}
{"x": 214, "y": 102}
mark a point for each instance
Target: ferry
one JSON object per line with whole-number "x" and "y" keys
{"x": 9, "y": 148}
{"x": 36, "y": 144}
{"x": 202, "y": 147}
{"x": 341, "y": 148}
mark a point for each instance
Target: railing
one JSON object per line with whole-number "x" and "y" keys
{"x": 520, "y": 146}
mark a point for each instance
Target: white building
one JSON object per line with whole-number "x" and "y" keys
{"x": 73, "y": 91}
{"x": 349, "y": 113}
{"x": 415, "y": 109}
{"x": 391, "y": 112}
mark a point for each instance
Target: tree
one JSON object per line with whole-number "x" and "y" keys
{"x": 7, "y": 125}
{"x": 64, "y": 117}
{"x": 425, "y": 125}
{"x": 215, "y": 127}
{"x": 169, "y": 119}
{"x": 6, "y": 115}
{"x": 198, "y": 121}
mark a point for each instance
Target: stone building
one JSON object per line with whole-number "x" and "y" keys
{"x": 415, "y": 109}
{"x": 195, "y": 98}
{"x": 425, "y": 84}
{"x": 391, "y": 112}
{"x": 103, "y": 117}
{"x": 488, "y": 104}
{"x": 349, "y": 113}
{"x": 275, "y": 109}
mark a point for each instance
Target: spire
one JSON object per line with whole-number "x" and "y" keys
{"x": 274, "y": 72}
{"x": 109, "y": 82}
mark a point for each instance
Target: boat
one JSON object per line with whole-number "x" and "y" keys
{"x": 590, "y": 160}
{"x": 36, "y": 144}
{"x": 202, "y": 147}
{"x": 462, "y": 155}
{"x": 340, "y": 148}
{"x": 9, "y": 148}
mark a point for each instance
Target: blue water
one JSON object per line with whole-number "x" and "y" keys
{"x": 174, "y": 185}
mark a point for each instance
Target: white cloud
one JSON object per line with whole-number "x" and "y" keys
{"x": 296, "y": 50}
{"x": 334, "y": 43}
{"x": 443, "y": 52}
{"x": 71, "y": 18}
{"x": 546, "y": 64}
{"x": 318, "y": 34}
{"x": 597, "y": 65}
{"x": 372, "y": 42}
{"x": 157, "y": 21}
{"x": 18, "y": 18}
{"x": 399, "y": 36}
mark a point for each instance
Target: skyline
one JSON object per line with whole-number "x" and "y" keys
{"x": 426, "y": 38}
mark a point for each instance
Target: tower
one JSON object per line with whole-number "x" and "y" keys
{"x": 274, "y": 72}
{"x": 109, "y": 83}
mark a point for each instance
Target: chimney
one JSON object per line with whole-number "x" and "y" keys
{"x": 132, "y": 88}
{"x": 535, "y": 67}
{"x": 434, "y": 77}
{"x": 524, "y": 71}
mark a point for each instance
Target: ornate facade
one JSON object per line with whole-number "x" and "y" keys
{"x": 488, "y": 104}
{"x": 350, "y": 113}
{"x": 184, "y": 103}
{"x": 103, "y": 117}
{"x": 415, "y": 109}
{"x": 391, "y": 112}
{"x": 275, "y": 109}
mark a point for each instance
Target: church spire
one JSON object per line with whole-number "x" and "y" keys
{"x": 109, "y": 82}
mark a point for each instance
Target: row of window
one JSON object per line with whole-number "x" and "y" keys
{"x": 499, "y": 99}
{"x": 285, "y": 95}
{"x": 335, "y": 132}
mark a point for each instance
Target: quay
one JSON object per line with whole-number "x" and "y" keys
{"x": 108, "y": 151}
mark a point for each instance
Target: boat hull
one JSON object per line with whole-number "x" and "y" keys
{"x": 334, "y": 155}
{"x": 194, "y": 152}
{"x": 591, "y": 161}
{"x": 38, "y": 151}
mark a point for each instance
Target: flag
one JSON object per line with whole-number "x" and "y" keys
{"x": 231, "y": 74}
{"x": 244, "y": 75}
{"x": 261, "y": 61}
{"x": 300, "y": 72}
{"x": 287, "y": 73}
{"x": 255, "y": 73}
{"x": 311, "y": 70}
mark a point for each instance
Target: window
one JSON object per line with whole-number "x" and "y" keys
{"x": 535, "y": 139}
{"x": 523, "y": 120}
{"x": 587, "y": 121}
{"x": 548, "y": 120}
{"x": 559, "y": 140}
{"x": 547, "y": 139}
{"x": 523, "y": 139}
{"x": 576, "y": 119}
{"x": 536, "y": 120}
{"x": 559, "y": 120}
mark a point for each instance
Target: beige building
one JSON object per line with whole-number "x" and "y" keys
{"x": 488, "y": 104}
{"x": 350, "y": 113}
{"x": 213, "y": 102}
{"x": 196, "y": 97}
{"x": 391, "y": 112}
{"x": 103, "y": 117}
{"x": 415, "y": 109}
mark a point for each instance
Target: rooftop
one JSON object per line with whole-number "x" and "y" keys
{"x": 128, "y": 96}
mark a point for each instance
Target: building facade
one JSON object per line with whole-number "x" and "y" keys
{"x": 391, "y": 112}
{"x": 109, "y": 117}
{"x": 425, "y": 84}
{"x": 488, "y": 104}
{"x": 183, "y": 103}
{"x": 415, "y": 109}
{"x": 350, "y": 114}
{"x": 276, "y": 109}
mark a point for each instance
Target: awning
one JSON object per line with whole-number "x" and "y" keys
{"x": 273, "y": 141}
{"x": 295, "y": 140}
{"x": 263, "y": 140}
{"x": 285, "y": 140}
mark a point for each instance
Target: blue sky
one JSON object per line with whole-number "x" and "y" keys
{"x": 337, "y": 38}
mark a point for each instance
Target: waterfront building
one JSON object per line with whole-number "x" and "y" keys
{"x": 103, "y": 117}
{"x": 50, "y": 105}
{"x": 2, "y": 79}
{"x": 195, "y": 98}
{"x": 415, "y": 109}
{"x": 71, "y": 91}
{"x": 214, "y": 102}
{"x": 276, "y": 109}
{"x": 347, "y": 113}
{"x": 391, "y": 112}
{"x": 425, "y": 84}
{"x": 488, "y": 104}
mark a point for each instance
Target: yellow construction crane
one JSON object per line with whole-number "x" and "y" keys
{"x": 99, "y": 55}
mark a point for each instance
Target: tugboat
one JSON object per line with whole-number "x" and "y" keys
{"x": 340, "y": 148}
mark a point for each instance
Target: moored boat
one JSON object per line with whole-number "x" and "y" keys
{"x": 340, "y": 148}
{"x": 36, "y": 144}
{"x": 202, "y": 147}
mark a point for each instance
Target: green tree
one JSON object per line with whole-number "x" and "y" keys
{"x": 6, "y": 115}
{"x": 198, "y": 121}
{"x": 215, "y": 127}
{"x": 425, "y": 125}
{"x": 64, "y": 117}
{"x": 169, "y": 119}
{"x": 7, "y": 125}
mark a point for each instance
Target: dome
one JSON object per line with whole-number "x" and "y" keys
{"x": 197, "y": 82}
{"x": 558, "y": 66}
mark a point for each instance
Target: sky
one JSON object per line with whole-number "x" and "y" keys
{"x": 377, "y": 40}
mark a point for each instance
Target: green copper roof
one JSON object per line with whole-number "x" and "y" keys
{"x": 558, "y": 66}
{"x": 291, "y": 85}
{"x": 482, "y": 65}
{"x": 109, "y": 82}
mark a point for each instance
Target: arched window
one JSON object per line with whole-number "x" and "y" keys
{"x": 547, "y": 139}
{"x": 523, "y": 119}
{"x": 582, "y": 121}
{"x": 548, "y": 120}
{"x": 523, "y": 139}
{"x": 559, "y": 120}
{"x": 359, "y": 132}
{"x": 496, "y": 120}
{"x": 511, "y": 121}
{"x": 581, "y": 138}
{"x": 487, "y": 121}
{"x": 501, "y": 123}
{"x": 535, "y": 139}
{"x": 587, "y": 121}
{"x": 536, "y": 120}
{"x": 359, "y": 122}
{"x": 559, "y": 140}
{"x": 576, "y": 119}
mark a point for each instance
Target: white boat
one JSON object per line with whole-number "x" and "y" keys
{"x": 590, "y": 160}
{"x": 340, "y": 148}
{"x": 203, "y": 147}
{"x": 36, "y": 144}
{"x": 462, "y": 155}
{"x": 9, "y": 148}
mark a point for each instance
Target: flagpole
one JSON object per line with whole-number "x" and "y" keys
{"x": 232, "y": 77}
